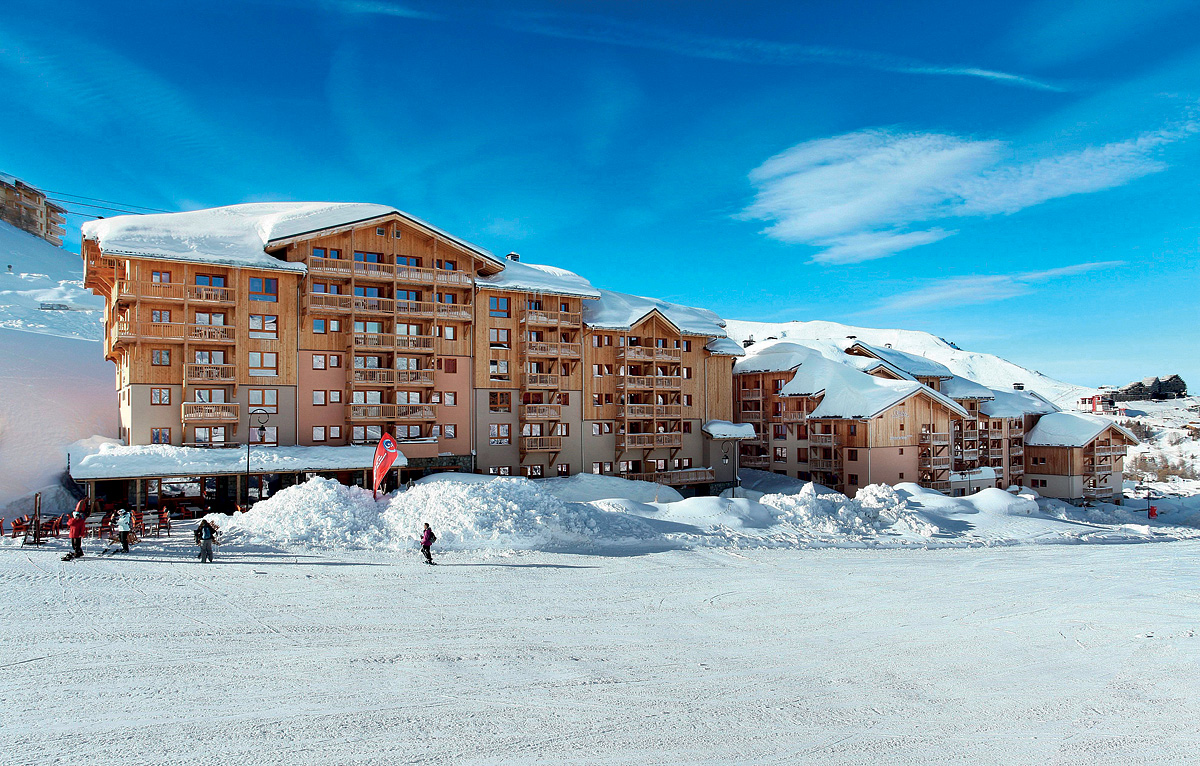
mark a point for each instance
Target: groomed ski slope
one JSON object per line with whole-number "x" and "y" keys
{"x": 1036, "y": 654}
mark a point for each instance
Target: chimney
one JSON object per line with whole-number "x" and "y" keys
{"x": 851, "y": 337}
{"x": 1018, "y": 386}
{"x": 514, "y": 257}
{"x": 748, "y": 342}
{"x": 887, "y": 345}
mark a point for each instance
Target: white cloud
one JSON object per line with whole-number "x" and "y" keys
{"x": 983, "y": 288}
{"x": 856, "y": 195}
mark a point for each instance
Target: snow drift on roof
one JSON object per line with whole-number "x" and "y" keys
{"x": 1070, "y": 429}
{"x": 156, "y": 460}
{"x": 725, "y": 347}
{"x": 773, "y": 356}
{"x": 236, "y": 235}
{"x": 911, "y": 363}
{"x": 1015, "y": 404}
{"x": 723, "y": 429}
{"x": 961, "y": 388}
{"x": 534, "y": 277}
{"x": 785, "y": 358}
{"x": 621, "y": 311}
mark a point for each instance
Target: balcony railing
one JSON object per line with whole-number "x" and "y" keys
{"x": 413, "y": 275}
{"x": 329, "y": 302}
{"x": 541, "y": 443}
{"x": 755, "y": 415}
{"x": 967, "y": 454}
{"x": 415, "y": 377}
{"x": 940, "y": 486}
{"x": 649, "y": 441}
{"x": 551, "y": 318}
{"x": 1111, "y": 449}
{"x": 454, "y": 311}
{"x": 364, "y": 304}
{"x": 158, "y": 291}
{"x": 360, "y": 411}
{"x": 790, "y": 416}
{"x": 823, "y": 440}
{"x": 211, "y": 294}
{"x": 415, "y": 308}
{"x": 1097, "y": 469}
{"x": 649, "y": 354}
{"x": 1092, "y": 493}
{"x": 675, "y": 478}
{"x": 210, "y": 372}
{"x": 131, "y": 330}
{"x": 211, "y": 333}
{"x": 552, "y": 349}
{"x": 751, "y": 394}
{"x": 935, "y": 438}
{"x": 824, "y": 464}
{"x": 368, "y": 270}
{"x": 332, "y": 267}
{"x": 1016, "y": 469}
{"x": 372, "y": 375}
{"x": 1016, "y": 450}
{"x": 935, "y": 463}
{"x": 650, "y": 411}
{"x": 207, "y": 412}
{"x": 755, "y": 461}
{"x": 456, "y": 278}
{"x": 541, "y": 412}
{"x": 539, "y": 380}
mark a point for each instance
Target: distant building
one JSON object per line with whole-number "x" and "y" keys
{"x": 28, "y": 209}
{"x": 1077, "y": 457}
{"x": 1170, "y": 387}
{"x": 1102, "y": 403}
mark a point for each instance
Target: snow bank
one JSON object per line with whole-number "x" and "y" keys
{"x": 321, "y": 513}
{"x": 586, "y": 487}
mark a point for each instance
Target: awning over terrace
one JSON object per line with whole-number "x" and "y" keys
{"x": 153, "y": 461}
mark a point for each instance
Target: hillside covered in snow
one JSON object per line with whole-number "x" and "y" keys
{"x": 990, "y": 370}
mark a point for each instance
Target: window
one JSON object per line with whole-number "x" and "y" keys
{"x": 498, "y": 307}
{"x": 450, "y": 430}
{"x": 498, "y": 337}
{"x": 533, "y": 471}
{"x": 210, "y": 280}
{"x": 852, "y": 479}
{"x": 781, "y": 454}
{"x": 160, "y": 436}
{"x": 595, "y": 429}
{"x": 335, "y": 397}
{"x": 266, "y": 399}
{"x": 160, "y": 315}
{"x": 801, "y": 455}
{"x": 270, "y": 436}
{"x": 318, "y": 252}
{"x": 319, "y": 398}
{"x": 852, "y": 454}
{"x": 396, "y": 232}
{"x": 264, "y": 326}
{"x": 779, "y": 431}
{"x": 499, "y": 433}
{"x": 335, "y": 432}
{"x": 901, "y": 451}
{"x": 564, "y": 469}
{"x": 263, "y": 289}
{"x": 561, "y": 429}
{"x": 451, "y": 399}
{"x": 160, "y": 396}
{"x": 901, "y": 476}
{"x": 318, "y": 433}
{"x": 687, "y": 372}
{"x": 853, "y": 429}
{"x": 318, "y": 361}
{"x": 379, "y": 232}
{"x": 160, "y": 357}
{"x": 451, "y": 366}
{"x": 264, "y": 365}
{"x": 210, "y": 434}
{"x": 499, "y": 401}
{"x": 208, "y": 357}
{"x": 687, "y": 426}
{"x": 687, "y": 345}
{"x": 319, "y": 326}
{"x": 498, "y": 369}
{"x": 687, "y": 400}
{"x": 160, "y": 277}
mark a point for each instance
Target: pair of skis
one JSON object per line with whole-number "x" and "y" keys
{"x": 106, "y": 552}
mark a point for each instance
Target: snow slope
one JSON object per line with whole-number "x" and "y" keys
{"x": 43, "y": 273}
{"x": 991, "y": 371}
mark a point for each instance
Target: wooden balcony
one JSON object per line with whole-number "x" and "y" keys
{"x": 367, "y": 305}
{"x": 211, "y": 294}
{"x": 551, "y": 318}
{"x": 376, "y": 412}
{"x": 1016, "y": 450}
{"x": 650, "y": 411}
{"x": 453, "y": 278}
{"x": 541, "y": 412}
{"x": 750, "y": 394}
{"x": 458, "y": 311}
{"x": 368, "y": 270}
{"x": 967, "y": 454}
{"x": 940, "y": 486}
{"x": 752, "y": 415}
{"x": 211, "y": 333}
{"x": 128, "y": 330}
{"x": 155, "y": 291}
{"x": 369, "y": 341}
{"x": 372, "y": 375}
{"x": 417, "y": 344}
{"x": 649, "y": 382}
{"x": 1016, "y": 469}
{"x": 330, "y": 267}
{"x": 1095, "y": 493}
{"x": 415, "y": 308}
{"x": 329, "y": 303}
{"x": 677, "y": 478}
{"x": 934, "y": 463}
{"x": 552, "y": 350}
{"x": 824, "y": 464}
{"x": 935, "y": 438}
{"x": 210, "y": 412}
{"x": 224, "y": 373}
{"x": 1097, "y": 469}
{"x": 414, "y": 377}
{"x": 823, "y": 440}
{"x": 789, "y": 416}
{"x": 649, "y": 441}
{"x": 413, "y": 275}
{"x": 539, "y": 380}
{"x": 755, "y": 461}
{"x": 541, "y": 443}
{"x": 1111, "y": 449}
{"x": 649, "y": 354}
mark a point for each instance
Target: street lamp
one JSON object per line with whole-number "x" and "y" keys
{"x": 258, "y": 416}
{"x": 737, "y": 479}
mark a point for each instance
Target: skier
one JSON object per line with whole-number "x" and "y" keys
{"x": 428, "y": 538}
{"x": 124, "y": 525}
{"x": 206, "y": 535}
{"x": 76, "y": 528}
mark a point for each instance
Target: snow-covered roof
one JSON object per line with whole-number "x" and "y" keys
{"x": 1015, "y": 404}
{"x": 1070, "y": 429}
{"x": 534, "y": 277}
{"x": 238, "y": 235}
{"x": 961, "y": 388}
{"x": 113, "y": 461}
{"x": 911, "y": 363}
{"x": 621, "y": 311}
{"x": 985, "y": 473}
{"x": 773, "y": 356}
{"x": 723, "y": 429}
{"x": 725, "y": 347}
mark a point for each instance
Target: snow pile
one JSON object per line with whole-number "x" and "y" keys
{"x": 586, "y": 487}
{"x": 723, "y": 429}
{"x": 875, "y": 509}
{"x": 321, "y": 513}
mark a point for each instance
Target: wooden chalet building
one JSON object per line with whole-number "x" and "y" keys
{"x": 1077, "y": 457}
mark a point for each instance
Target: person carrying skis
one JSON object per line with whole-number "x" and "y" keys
{"x": 76, "y": 528}
{"x": 124, "y": 525}
{"x": 428, "y": 538}
{"x": 206, "y": 535}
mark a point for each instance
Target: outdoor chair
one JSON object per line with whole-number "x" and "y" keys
{"x": 164, "y": 521}
{"x": 19, "y": 525}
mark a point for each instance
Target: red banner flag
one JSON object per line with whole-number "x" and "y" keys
{"x": 385, "y": 455}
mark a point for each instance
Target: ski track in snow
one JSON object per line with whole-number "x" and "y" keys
{"x": 1081, "y": 654}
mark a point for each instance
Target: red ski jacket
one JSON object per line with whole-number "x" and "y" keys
{"x": 77, "y": 527}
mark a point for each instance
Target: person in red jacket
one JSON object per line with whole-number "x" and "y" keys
{"x": 428, "y": 538}
{"x": 76, "y": 528}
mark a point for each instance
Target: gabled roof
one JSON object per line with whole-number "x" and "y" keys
{"x": 621, "y": 311}
{"x": 725, "y": 347}
{"x": 1071, "y": 429}
{"x": 961, "y": 388}
{"x": 1015, "y": 404}
{"x": 910, "y": 363}
{"x": 536, "y": 278}
{"x": 239, "y": 235}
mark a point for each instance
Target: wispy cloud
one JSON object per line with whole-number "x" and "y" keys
{"x": 982, "y": 288}
{"x": 605, "y": 31}
{"x": 865, "y": 195}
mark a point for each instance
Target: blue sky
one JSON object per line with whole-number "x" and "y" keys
{"x": 1019, "y": 178}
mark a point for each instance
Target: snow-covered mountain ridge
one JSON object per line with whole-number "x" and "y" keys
{"x": 988, "y": 369}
